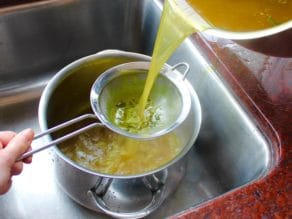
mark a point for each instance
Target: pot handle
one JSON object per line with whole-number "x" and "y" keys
{"x": 186, "y": 70}
{"x": 156, "y": 187}
{"x": 64, "y": 137}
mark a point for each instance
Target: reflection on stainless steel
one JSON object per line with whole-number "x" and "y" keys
{"x": 36, "y": 43}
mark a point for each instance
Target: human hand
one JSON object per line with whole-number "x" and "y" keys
{"x": 12, "y": 146}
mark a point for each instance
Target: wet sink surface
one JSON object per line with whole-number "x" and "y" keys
{"x": 36, "y": 41}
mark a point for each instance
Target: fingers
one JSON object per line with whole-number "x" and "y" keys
{"x": 5, "y": 172}
{"x": 12, "y": 146}
{"x": 19, "y": 144}
{"x": 17, "y": 168}
{"x": 5, "y": 187}
{"x": 5, "y": 137}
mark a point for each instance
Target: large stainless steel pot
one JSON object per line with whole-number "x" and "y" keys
{"x": 274, "y": 41}
{"x": 67, "y": 96}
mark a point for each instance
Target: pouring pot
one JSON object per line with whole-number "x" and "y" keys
{"x": 273, "y": 41}
{"x": 124, "y": 196}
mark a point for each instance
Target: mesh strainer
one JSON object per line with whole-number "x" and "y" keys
{"x": 169, "y": 101}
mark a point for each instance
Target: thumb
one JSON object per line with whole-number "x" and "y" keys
{"x": 19, "y": 144}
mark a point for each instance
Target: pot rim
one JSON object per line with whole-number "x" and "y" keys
{"x": 71, "y": 68}
{"x": 250, "y": 35}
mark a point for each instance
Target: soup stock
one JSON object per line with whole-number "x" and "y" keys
{"x": 244, "y": 16}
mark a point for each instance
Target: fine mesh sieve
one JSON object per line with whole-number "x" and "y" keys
{"x": 170, "y": 98}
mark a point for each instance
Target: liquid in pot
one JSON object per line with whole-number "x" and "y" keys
{"x": 104, "y": 151}
{"x": 244, "y": 15}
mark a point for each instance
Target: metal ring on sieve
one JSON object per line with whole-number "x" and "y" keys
{"x": 169, "y": 75}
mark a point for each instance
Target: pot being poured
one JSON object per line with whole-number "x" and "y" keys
{"x": 273, "y": 39}
{"x": 123, "y": 196}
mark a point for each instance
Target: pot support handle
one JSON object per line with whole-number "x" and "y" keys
{"x": 156, "y": 187}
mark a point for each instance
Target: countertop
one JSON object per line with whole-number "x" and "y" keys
{"x": 264, "y": 85}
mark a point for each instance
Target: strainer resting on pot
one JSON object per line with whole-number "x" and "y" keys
{"x": 115, "y": 99}
{"x": 118, "y": 89}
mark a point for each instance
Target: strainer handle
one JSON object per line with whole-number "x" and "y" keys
{"x": 182, "y": 64}
{"x": 64, "y": 137}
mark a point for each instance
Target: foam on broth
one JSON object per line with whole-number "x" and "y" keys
{"x": 104, "y": 151}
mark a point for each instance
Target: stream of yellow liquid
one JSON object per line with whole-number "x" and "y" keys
{"x": 173, "y": 29}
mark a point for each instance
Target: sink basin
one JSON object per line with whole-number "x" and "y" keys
{"x": 38, "y": 39}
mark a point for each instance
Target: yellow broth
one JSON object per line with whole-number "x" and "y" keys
{"x": 104, "y": 151}
{"x": 172, "y": 31}
{"x": 243, "y": 15}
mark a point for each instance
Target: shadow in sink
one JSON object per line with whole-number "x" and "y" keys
{"x": 37, "y": 41}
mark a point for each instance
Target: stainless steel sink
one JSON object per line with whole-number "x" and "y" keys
{"x": 38, "y": 39}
